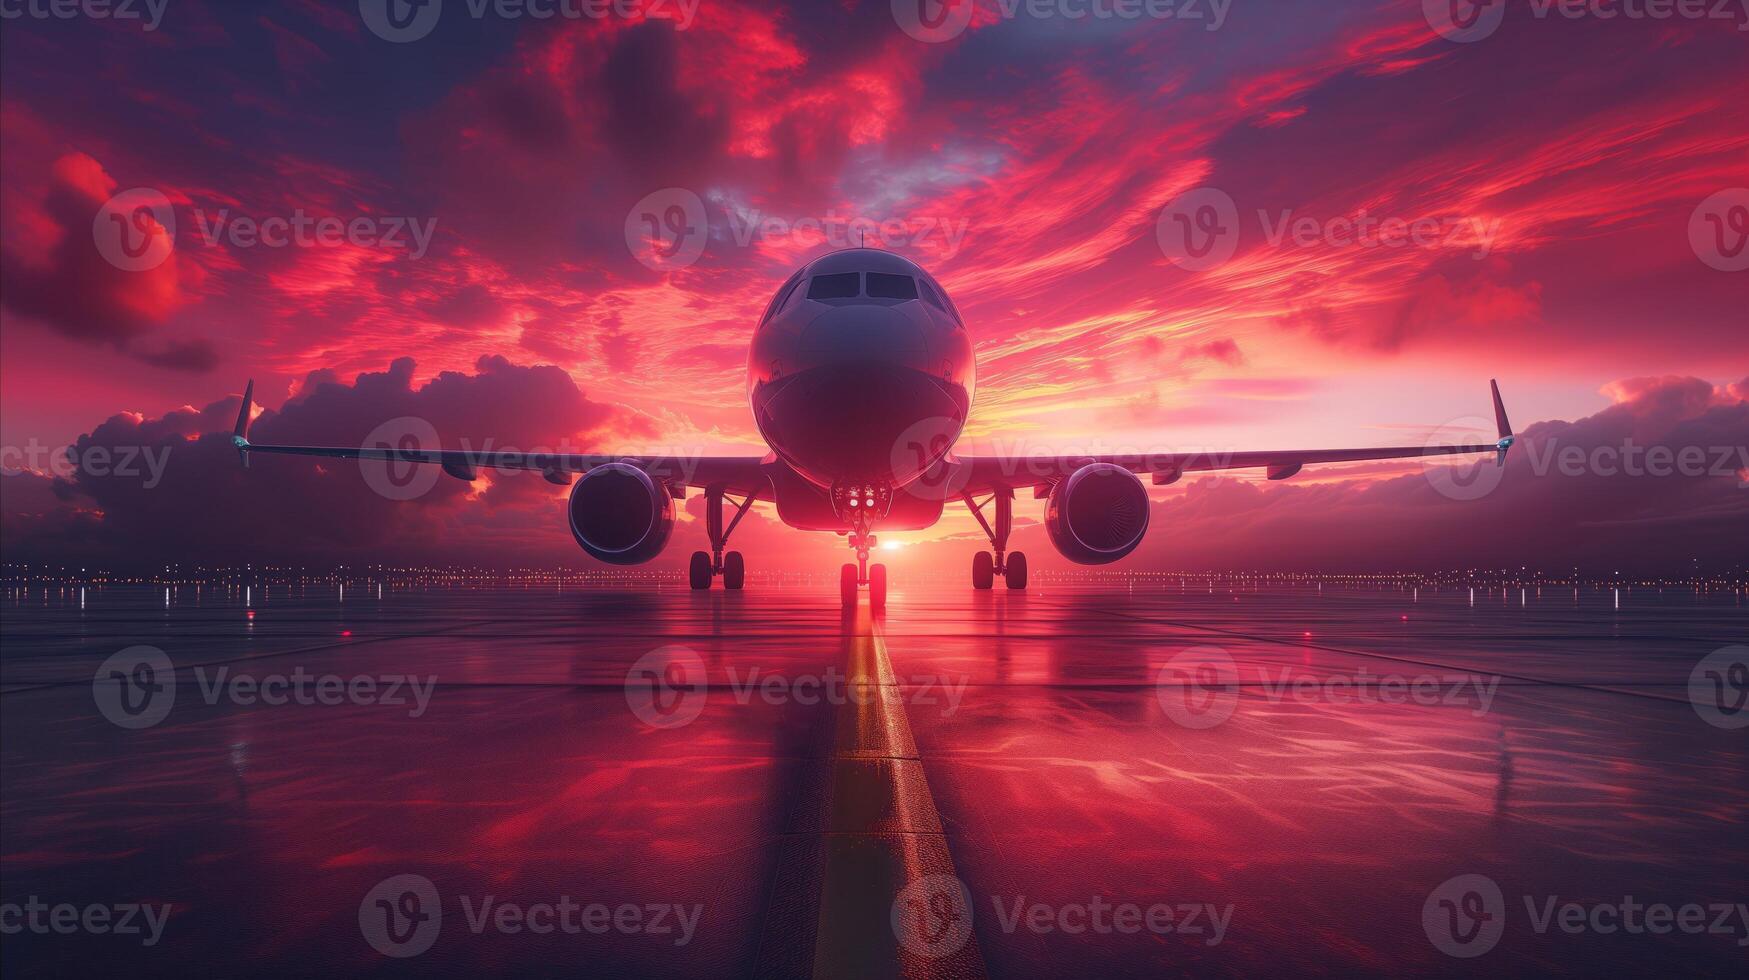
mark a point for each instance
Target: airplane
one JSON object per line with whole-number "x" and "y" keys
{"x": 860, "y": 377}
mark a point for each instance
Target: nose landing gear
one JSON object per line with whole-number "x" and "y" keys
{"x": 851, "y": 577}
{"x": 731, "y": 566}
{"x": 986, "y": 565}
{"x": 861, "y": 505}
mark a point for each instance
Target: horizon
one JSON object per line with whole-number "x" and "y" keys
{"x": 1728, "y": 578}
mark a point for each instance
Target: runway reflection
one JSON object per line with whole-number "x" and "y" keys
{"x": 1291, "y": 776}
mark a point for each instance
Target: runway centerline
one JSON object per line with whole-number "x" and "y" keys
{"x": 875, "y": 833}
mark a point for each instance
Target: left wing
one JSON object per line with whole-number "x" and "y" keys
{"x": 986, "y": 474}
{"x": 734, "y": 474}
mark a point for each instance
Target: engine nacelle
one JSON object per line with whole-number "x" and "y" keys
{"x": 620, "y": 515}
{"x": 1098, "y": 514}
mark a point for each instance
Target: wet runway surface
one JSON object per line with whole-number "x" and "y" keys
{"x": 1160, "y": 781}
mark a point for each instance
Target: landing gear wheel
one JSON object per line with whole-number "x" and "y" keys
{"x": 877, "y": 586}
{"x": 735, "y": 570}
{"x": 847, "y": 585}
{"x": 1015, "y": 570}
{"x": 699, "y": 573}
{"x": 983, "y": 570}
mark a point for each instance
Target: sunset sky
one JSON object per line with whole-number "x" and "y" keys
{"x": 1563, "y": 164}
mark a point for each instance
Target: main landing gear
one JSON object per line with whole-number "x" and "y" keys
{"x": 850, "y": 577}
{"x": 731, "y": 566}
{"x": 985, "y": 565}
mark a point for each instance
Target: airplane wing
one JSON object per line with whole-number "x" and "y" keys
{"x": 734, "y": 474}
{"x": 986, "y": 474}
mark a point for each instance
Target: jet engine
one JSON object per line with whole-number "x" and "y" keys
{"x": 620, "y": 515}
{"x": 1098, "y": 514}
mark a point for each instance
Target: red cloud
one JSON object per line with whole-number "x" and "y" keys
{"x": 65, "y": 283}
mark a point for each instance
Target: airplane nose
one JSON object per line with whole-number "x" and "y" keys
{"x": 862, "y": 333}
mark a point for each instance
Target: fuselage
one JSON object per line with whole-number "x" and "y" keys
{"x": 860, "y": 373}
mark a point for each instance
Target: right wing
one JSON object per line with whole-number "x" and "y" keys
{"x": 734, "y": 474}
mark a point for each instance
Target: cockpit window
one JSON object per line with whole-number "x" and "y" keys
{"x": 789, "y": 295}
{"x": 935, "y": 299}
{"x": 930, "y": 297}
{"x": 886, "y": 285}
{"x": 838, "y": 285}
{"x": 781, "y": 297}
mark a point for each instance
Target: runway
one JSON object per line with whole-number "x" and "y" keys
{"x": 1181, "y": 779}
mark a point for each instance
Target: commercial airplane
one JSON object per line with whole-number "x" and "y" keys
{"x": 860, "y": 378}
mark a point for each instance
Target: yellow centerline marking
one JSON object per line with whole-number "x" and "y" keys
{"x": 864, "y": 829}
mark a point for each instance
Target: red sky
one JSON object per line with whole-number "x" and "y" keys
{"x": 1560, "y": 164}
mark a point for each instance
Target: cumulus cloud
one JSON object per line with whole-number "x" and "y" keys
{"x": 1611, "y": 490}
{"x": 120, "y": 508}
